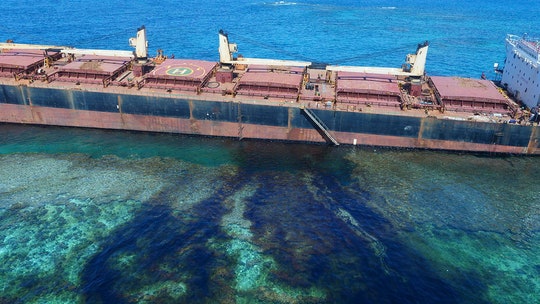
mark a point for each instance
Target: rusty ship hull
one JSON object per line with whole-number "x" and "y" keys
{"x": 75, "y": 108}
{"x": 268, "y": 101}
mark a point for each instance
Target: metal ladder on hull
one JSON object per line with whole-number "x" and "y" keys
{"x": 320, "y": 126}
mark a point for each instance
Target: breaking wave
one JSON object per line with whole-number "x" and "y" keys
{"x": 283, "y": 3}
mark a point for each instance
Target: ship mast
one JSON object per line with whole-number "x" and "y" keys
{"x": 140, "y": 44}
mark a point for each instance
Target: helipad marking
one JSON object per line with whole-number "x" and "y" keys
{"x": 179, "y": 71}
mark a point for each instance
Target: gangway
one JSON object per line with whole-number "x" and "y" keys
{"x": 320, "y": 126}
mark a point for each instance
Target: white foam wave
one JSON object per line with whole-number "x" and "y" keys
{"x": 283, "y": 3}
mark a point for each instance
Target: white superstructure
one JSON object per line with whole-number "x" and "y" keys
{"x": 521, "y": 73}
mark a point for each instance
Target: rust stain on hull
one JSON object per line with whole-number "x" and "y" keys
{"x": 432, "y": 144}
{"x": 534, "y": 140}
{"x": 121, "y": 121}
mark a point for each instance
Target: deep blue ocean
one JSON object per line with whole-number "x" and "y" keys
{"x": 98, "y": 216}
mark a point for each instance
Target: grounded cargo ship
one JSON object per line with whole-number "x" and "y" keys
{"x": 273, "y": 99}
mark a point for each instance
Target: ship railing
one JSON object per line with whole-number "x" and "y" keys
{"x": 370, "y": 98}
{"x": 31, "y": 77}
{"x": 77, "y": 80}
{"x": 107, "y": 81}
{"x": 513, "y": 38}
{"x": 530, "y": 46}
{"x": 369, "y": 102}
{"x": 267, "y": 92}
{"x": 406, "y": 102}
{"x": 169, "y": 87}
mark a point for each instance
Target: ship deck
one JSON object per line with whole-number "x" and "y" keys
{"x": 92, "y": 69}
{"x": 461, "y": 98}
{"x": 367, "y": 89}
{"x": 15, "y": 62}
{"x": 471, "y": 95}
{"x": 270, "y": 82}
{"x": 180, "y": 74}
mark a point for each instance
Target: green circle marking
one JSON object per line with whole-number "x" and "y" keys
{"x": 179, "y": 71}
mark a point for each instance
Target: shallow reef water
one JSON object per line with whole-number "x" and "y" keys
{"x": 146, "y": 218}
{"x": 93, "y": 216}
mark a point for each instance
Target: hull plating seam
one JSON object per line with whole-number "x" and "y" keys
{"x": 496, "y": 142}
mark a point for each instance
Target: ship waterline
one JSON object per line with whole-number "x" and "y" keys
{"x": 409, "y": 132}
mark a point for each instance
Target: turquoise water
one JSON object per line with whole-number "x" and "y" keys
{"x": 92, "y": 216}
{"x": 104, "y": 216}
